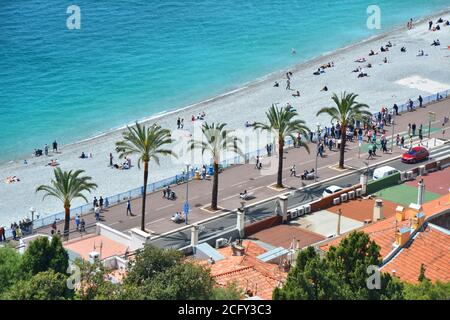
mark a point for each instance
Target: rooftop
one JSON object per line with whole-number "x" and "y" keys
{"x": 247, "y": 271}
{"x": 101, "y": 244}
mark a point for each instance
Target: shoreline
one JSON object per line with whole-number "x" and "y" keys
{"x": 387, "y": 84}
{"x": 240, "y": 88}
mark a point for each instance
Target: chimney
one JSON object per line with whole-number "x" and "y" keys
{"x": 378, "y": 210}
{"x": 194, "y": 235}
{"x": 418, "y": 220}
{"x": 400, "y": 214}
{"x": 421, "y": 193}
{"x": 402, "y": 236}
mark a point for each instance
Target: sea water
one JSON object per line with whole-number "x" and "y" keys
{"x": 135, "y": 58}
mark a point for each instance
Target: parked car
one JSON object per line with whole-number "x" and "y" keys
{"x": 384, "y": 172}
{"x": 331, "y": 190}
{"x": 415, "y": 155}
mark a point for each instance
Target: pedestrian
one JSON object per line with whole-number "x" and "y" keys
{"x": 374, "y": 149}
{"x": 409, "y": 129}
{"x": 396, "y": 109}
{"x": 370, "y": 155}
{"x": 100, "y": 202}
{"x": 129, "y": 208}
{"x": 402, "y": 142}
{"x": 106, "y": 202}
{"x": 46, "y": 149}
{"x": 420, "y": 101}
{"x": 77, "y": 222}
{"x": 293, "y": 171}
{"x": 182, "y": 123}
{"x": 55, "y": 146}
{"x": 430, "y": 24}
{"x": 420, "y": 135}
{"x": 82, "y": 226}
{"x": 178, "y": 123}
{"x": 95, "y": 202}
{"x": 257, "y": 162}
{"x": 2, "y": 234}
{"x": 111, "y": 159}
{"x": 413, "y": 128}
{"x": 397, "y": 141}
{"x": 288, "y": 84}
{"x": 97, "y": 212}
{"x": 54, "y": 225}
{"x": 411, "y": 105}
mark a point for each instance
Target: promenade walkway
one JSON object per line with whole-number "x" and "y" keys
{"x": 246, "y": 177}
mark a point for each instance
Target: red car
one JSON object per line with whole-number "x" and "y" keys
{"x": 416, "y": 154}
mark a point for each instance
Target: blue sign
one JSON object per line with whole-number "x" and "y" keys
{"x": 186, "y": 208}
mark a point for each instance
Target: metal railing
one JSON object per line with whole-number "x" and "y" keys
{"x": 159, "y": 185}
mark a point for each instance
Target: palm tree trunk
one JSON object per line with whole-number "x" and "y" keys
{"x": 66, "y": 221}
{"x": 280, "y": 163}
{"x": 342, "y": 147}
{"x": 144, "y": 195}
{"x": 215, "y": 190}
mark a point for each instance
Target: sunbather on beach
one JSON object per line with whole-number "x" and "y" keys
{"x": 436, "y": 43}
{"x": 297, "y": 94}
{"x": 360, "y": 60}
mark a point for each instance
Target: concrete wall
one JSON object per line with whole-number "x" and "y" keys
{"x": 113, "y": 234}
{"x": 262, "y": 225}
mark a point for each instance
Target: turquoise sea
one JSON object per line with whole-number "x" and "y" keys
{"x": 135, "y": 58}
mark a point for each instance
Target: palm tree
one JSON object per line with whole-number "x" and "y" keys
{"x": 346, "y": 111}
{"x": 147, "y": 143}
{"x": 216, "y": 140}
{"x": 67, "y": 186}
{"x": 283, "y": 124}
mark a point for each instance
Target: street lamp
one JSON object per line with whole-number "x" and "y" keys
{"x": 186, "y": 204}
{"x": 317, "y": 150}
{"x": 393, "y": 128}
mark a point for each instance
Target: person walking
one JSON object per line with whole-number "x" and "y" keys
{"x": 82, "y": 226}
{"x": 288, "y": 84}
{"x": 97, "y": 212}
{"x": 420, "y": 101}
{"x": 55, "y": 146}
{"x": 129, "y": 208}
{"x": 397, "y": 140}
{"x": 178, "y": 123}
{"x": 100, "y": 202}
{"x": 413, "y": 128}
{"x": 257, "y": 162}
{"x": 2, "y": 234}
{"x": 95, "y": 202}
{"x": 46, "y": 149}
{"x": 77, "y": 222}
{"x": 111, "y": 159}
{"x": 182, "y": 123}
{"x": 293, "y": 171}
{"x": 396, "y": 109}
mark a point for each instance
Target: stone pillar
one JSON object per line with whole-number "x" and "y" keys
{"x": 240, "y": 223}
{"x": 363, "y": 182}
{"x": 421, "y": 193}
{"x": 378, "y": 210}
{"x": 283, "y": 205}
{"x": 194, "y": 235}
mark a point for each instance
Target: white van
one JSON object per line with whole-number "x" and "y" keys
{"x": 384, "y": 172}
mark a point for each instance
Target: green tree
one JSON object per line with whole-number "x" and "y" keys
{"x": 345, "y": 112}
{"x": 149, "y": 262}
{"x": 67, "y": 186}
{"x": 94, "y": 282}
{"x": 283, "y": 125}
{"x": 341, "y": 274}
{"x": 10, "y": 270}
{"x": 426, "y": 290}
{"x": 231, "y": 292}
{"x": 216, "y": 140}
{"x": 148, "y": 144}
{"x": 183, "y": 281}
{"x": 43, "y": 255}
{"x": 48, "y": 285}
